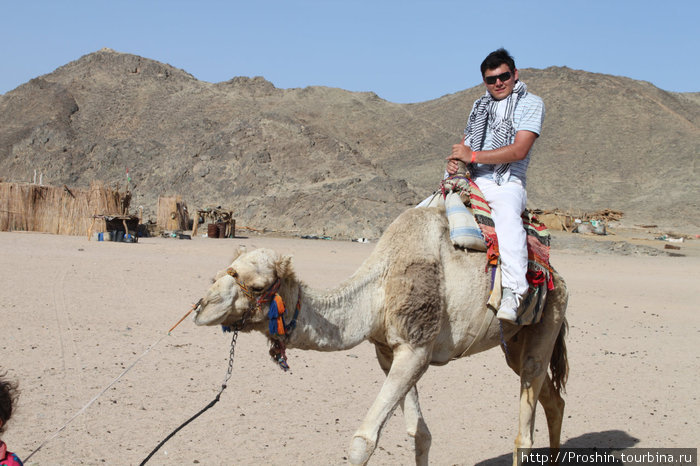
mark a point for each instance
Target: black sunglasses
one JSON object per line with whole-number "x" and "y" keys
{"x": 503, "y": 77}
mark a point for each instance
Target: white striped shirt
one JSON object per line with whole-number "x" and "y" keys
{"x": 528, "y": 116}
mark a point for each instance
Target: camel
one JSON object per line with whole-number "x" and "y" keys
{"x": 420, "y": 301}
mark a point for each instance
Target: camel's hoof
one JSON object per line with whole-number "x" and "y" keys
{"x": 360, "y": 450}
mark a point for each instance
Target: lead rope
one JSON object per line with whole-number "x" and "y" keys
{"x": 229, "y": 371}
{"x": 89, "y": 403}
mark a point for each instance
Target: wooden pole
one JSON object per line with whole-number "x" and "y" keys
{"x": 92, "y": 225}
{"x": 195, "y": 225}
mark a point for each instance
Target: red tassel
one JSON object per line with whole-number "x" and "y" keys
{"x": 536, "y": 278}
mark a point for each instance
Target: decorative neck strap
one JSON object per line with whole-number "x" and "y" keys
{"x": 279, "y": 330}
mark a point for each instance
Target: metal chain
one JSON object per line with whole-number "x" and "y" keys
{"x": 229, "y": 372}
{"x": 231, "y": 354}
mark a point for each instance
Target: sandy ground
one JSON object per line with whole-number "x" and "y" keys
{"x": 75, "y": 314}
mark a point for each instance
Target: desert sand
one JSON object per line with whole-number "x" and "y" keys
{"x": 76, "y": 313}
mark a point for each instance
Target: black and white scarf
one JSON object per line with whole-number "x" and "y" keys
{"x": 483, "y": 115}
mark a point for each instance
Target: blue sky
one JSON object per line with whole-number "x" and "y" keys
{"x": 405, "y": 51}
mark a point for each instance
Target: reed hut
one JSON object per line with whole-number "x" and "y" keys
{"x": 172, "y": 214}
{"x": 59, "y": 209}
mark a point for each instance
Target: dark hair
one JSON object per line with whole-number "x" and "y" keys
{"x": 496, "y": 59}
{"x": 8, "y": 395}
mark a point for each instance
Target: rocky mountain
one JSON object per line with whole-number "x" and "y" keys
{"x": 327, "y": 161}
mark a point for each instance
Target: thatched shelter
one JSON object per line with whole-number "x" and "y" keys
{"x": 172, "y": 214}
{"x": 59, "y": 210}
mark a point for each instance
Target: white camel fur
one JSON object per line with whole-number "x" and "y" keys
{"x": 420, "y": 301}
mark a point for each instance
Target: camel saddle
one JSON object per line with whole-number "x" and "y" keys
{"x": 539, "y": 273}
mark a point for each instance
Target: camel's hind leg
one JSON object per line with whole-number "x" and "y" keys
{"x": 531, "y": 379}
{"x": 535, "y": 388}
{"x": 408, "y": 365}
{"x": 530, "y": 353}
{"x": 553, "y": 405}
{"x": 415, "y": 424}
{"x": 530, "y": 385}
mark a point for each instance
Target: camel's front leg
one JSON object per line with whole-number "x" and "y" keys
{"x": 407, "y": 367}
{"x": 415, "y": 424}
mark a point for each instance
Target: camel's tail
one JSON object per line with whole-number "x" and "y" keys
{"x": 559, "y": 363}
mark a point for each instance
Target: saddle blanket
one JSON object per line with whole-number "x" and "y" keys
{"x": 539, "y": 274}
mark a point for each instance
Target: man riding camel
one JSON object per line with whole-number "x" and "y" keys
{"x": 502, "y": 127}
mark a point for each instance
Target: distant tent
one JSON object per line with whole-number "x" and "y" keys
{"x": 58, "y": 210}
{"x": 172, "y": 214}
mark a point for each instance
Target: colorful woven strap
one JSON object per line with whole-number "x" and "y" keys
{"x": 275, "y": 315}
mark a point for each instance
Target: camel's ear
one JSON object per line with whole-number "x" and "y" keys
{"x": 239, "y": 252}
{"x": 219, "y": 274}
{"x": 283, "y": 267}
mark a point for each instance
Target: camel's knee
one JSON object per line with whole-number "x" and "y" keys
{"x": 531, "y": 369}
{"x": 550, "y": 397}
{"x": 361, "y": 449}
{"x": 420, "y": 430}
{"x": 555, "y": 404}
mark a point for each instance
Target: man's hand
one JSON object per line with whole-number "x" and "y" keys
{"x": 460, "y": 152}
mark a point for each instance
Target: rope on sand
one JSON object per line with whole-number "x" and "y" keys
{"x": 216, "y": 399}
{"x": 87, "y": 405}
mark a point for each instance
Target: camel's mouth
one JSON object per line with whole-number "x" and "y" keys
{"x": 210, "y": 313}
{"x": 215, "y": 307}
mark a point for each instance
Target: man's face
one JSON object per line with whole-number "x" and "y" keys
{"x": 500, "y": 89}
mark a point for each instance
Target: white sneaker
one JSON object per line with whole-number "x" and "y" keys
{"x": 510, "y": 302}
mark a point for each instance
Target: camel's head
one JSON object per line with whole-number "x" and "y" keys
{"x": 239, "y": 289}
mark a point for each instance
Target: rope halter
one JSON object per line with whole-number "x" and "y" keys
{"x": 265, "y": 297}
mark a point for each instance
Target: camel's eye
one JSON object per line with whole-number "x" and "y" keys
{"x": 257, "y": 289}
{"x": 232, "y": 272}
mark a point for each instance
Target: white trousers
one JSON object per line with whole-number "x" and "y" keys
{"x": 507, "y": 203}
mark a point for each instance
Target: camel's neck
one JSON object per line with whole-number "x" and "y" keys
{"x": 333, "y": 320}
